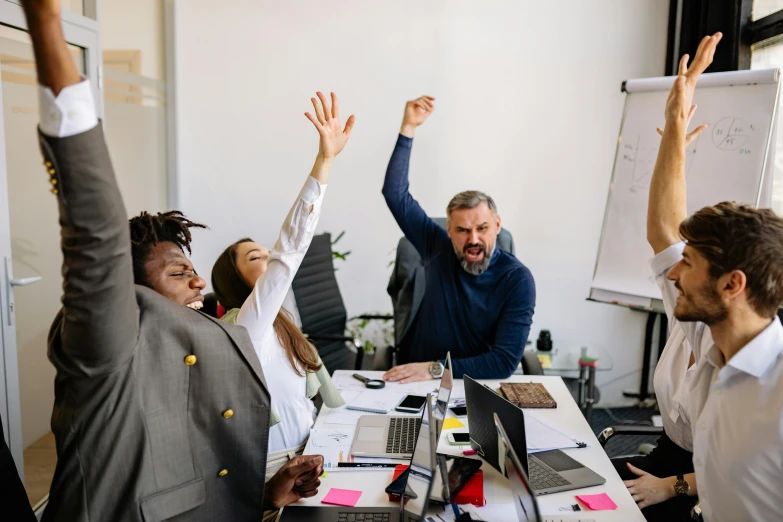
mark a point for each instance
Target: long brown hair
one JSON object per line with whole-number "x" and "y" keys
{"x": 232, "y": 290}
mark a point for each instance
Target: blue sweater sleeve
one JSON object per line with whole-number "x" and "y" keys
{"x": 511, "y": 335}
{"x": 420, "y": 230}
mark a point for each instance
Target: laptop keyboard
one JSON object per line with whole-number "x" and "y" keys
{"x": 402, "y": 435}
{"x": 363, "y": 517}
{"x": 544, "y": 478}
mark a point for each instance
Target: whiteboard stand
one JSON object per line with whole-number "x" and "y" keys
{"x": 732, "y": 160}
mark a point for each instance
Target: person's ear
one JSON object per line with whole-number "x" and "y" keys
{"x": 497, "y": 223}
{"x": 732, "y": 284}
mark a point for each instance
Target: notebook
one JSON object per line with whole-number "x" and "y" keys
{"x": 527, "y": 395}
{"x": 375, "y": 401}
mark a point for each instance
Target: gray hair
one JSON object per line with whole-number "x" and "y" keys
{"x": 470, "y": 199}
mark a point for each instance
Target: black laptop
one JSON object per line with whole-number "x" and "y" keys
{"x": 413, "y": 506}
{"x": 522, "y": 495}
{"x": 549, "y": 471}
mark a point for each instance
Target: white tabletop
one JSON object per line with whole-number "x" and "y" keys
{"x": 496, "y": 487}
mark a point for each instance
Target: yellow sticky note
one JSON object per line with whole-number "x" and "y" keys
{"x": 545, "y": 359}
{"x": 451, "y": 423}
{"x": 324, "y": 474}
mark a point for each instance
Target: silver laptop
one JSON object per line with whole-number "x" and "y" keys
{"x": 393, "y": 437}
{"x": 522, "y": 494}
{"x": 413, "y": 505}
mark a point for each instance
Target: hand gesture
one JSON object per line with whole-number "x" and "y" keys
{"x": 416, "y": 111}
{"x": 327, "y": 122}
{"x": 298, "y": 478}
{"x": 679, "y": 105}
{"x": 648, "y": 489}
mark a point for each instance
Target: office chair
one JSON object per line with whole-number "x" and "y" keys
{"x": 322, "y": 310}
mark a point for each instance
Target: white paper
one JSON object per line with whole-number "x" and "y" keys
{"x": 334, "y": 443}
{"x": 541, "y": 435}
{"x": 376, "y": 401}
{"x": 345, "y": 381}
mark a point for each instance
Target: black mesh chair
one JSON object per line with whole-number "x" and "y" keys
{"x": 322, "y": 310}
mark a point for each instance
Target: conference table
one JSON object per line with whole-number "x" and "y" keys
{"x": 499, "y": 508}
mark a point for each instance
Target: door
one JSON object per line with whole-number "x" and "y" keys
{"x": 30, "y": 257}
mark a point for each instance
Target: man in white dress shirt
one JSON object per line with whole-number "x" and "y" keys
{"x": 721, "y": 271}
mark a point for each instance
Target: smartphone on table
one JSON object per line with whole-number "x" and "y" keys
{"x": 459, "y": 411}
{"x": 458, "y": 439}
{"x": 412, "y": 404}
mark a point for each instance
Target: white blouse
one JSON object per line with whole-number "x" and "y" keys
{"x": 258, "y": 312}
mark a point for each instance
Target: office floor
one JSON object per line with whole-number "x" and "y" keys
{"x": 40, "y": 459}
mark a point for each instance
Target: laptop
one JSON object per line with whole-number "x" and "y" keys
{"x": 413, "y": 505}
{"x": 393, "y": 437}
{"x": 549, "y": 471}
{"x": 522, "y": 494}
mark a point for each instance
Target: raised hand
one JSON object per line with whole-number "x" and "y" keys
{"x": 327, "y": 122}
{"x": 679, "y": 105}
{"x": 416, "y": 111}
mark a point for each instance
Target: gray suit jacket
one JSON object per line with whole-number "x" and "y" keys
{"x": 407, "y": 281}
{"x": 144, "y": 385}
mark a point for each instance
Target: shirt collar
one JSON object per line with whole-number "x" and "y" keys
{"x": 756, "y": 357}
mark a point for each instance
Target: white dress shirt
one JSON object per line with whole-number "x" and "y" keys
{"x": 71, "y": 112}
{"x": 670, "y": 382}
{"x": 258, "y": 312}
{"x": 736, "y": 409}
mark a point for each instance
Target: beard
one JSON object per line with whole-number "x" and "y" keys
{"x": 704, "y": 305}
{"x": 475, "y": 267}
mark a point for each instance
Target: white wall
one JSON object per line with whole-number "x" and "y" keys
{"x": 528, "y": 110}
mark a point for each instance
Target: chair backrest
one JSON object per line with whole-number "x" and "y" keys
{"x": 407, "y": 282}
{"x": 320, "y": 303}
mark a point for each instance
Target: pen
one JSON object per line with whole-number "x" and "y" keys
{"x": 365, "y": 465}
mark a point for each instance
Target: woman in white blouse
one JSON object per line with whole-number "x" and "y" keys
{"x": 252, "y": 283}
{"x": 652, "y": 478}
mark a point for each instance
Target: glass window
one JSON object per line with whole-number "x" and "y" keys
{"x": 762, "y": 8}
{"x": 769, "y": 55}
{"x": 35, "y": 251}
{"x": 135, "y": 100}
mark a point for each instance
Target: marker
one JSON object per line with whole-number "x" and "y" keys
{"x": 364, "y": 465}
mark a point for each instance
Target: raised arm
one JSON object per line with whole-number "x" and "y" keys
{"x": 259, "y": 310}
{"x": 98, "y": 324}
{"x": 420, "y": 230}
{"x": 667, "y": 204}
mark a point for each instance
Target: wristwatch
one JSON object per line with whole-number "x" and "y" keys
{"x": 681, "y": 487}
{"x": 436, "y": 370}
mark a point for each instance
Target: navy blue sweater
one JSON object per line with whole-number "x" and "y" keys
{"x": 483, "y": 320}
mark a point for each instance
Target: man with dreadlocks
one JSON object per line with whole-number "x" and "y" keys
{"x": 161, "y": 412}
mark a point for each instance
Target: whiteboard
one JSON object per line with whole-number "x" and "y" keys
{"x": 726, "y": 162}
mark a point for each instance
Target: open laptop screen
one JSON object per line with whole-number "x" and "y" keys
{"x": 444, "y": 392}
{"x": 521, "y": 493}
{"x": 421, "y": 469}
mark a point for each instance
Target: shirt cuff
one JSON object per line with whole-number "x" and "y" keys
{"x": 666, "y": 259}
{"x": 71, "y": 112}
{"x": 404, "y": 141}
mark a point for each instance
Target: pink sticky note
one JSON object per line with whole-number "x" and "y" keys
{"x": 343, "y": 497}
{"x": 597, "y": 502}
